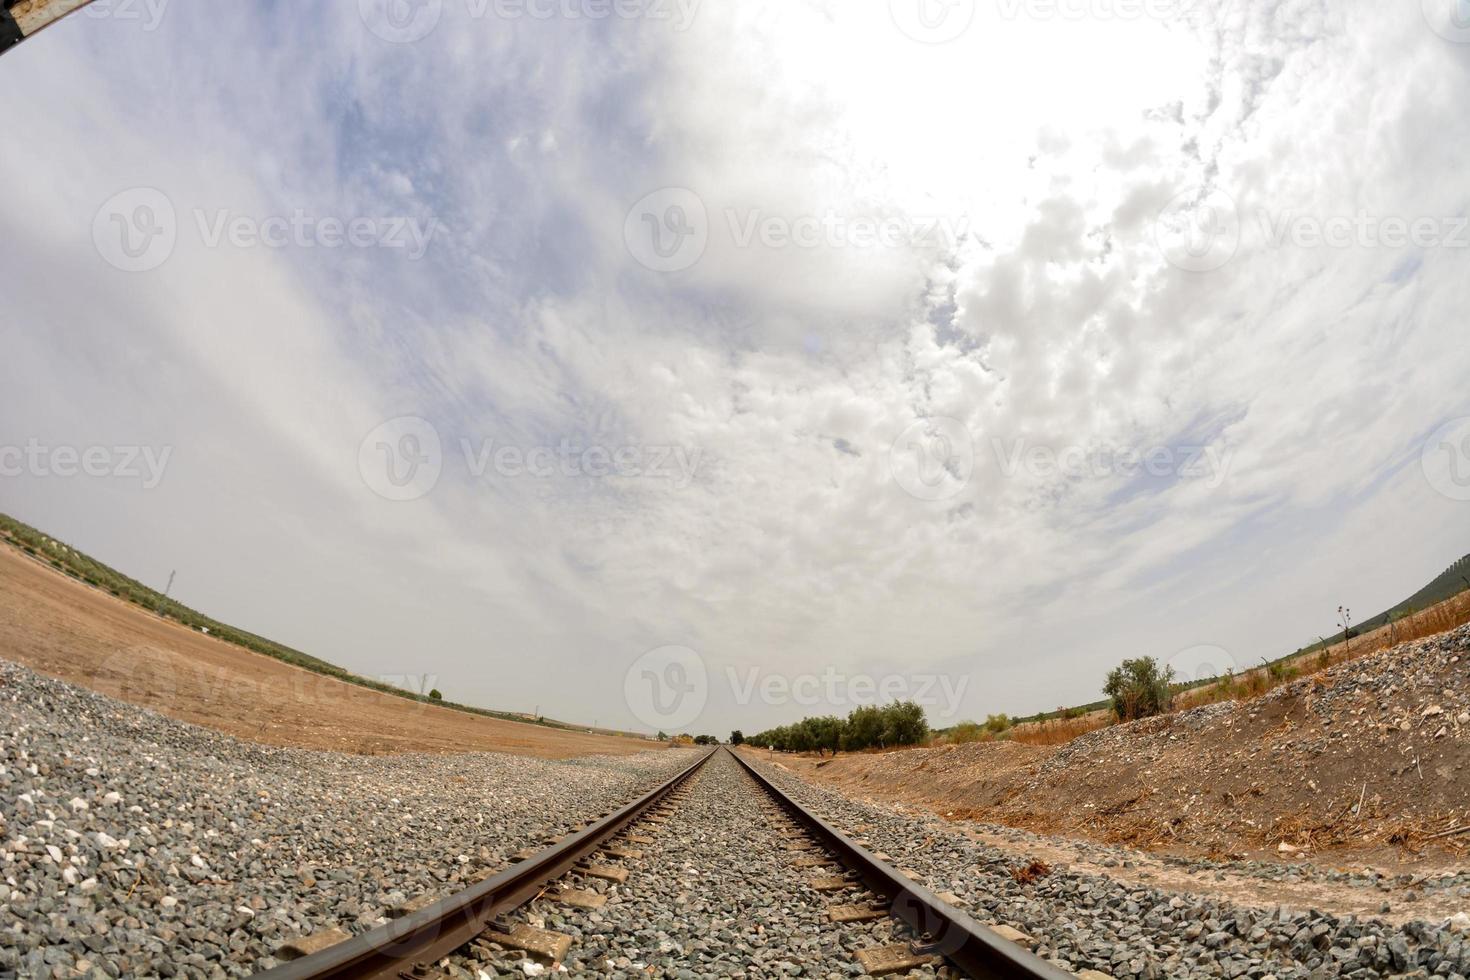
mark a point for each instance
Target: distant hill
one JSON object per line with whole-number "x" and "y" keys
{"x": 84, "y": 568}
{"x": 1446, "y": 585}
{"x": 1450, "y": 582}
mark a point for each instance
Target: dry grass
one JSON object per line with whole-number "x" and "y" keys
{"x": 1450, "y": 614}
{"x": 1058, "y": 731}
{"x": 1026, "y": 874}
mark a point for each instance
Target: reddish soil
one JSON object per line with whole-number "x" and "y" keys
{"x": 61, "y": 627}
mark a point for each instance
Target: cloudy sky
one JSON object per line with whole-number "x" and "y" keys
{"x": 639, "y": 360}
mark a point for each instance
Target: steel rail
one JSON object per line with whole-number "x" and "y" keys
{"x": 437, "y": 930}
{"x": 944, "y": 929}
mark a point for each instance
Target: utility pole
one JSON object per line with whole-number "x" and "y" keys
{"x": 166, "y": 589}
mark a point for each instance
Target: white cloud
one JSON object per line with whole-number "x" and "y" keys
{"x": 784, "y": 373}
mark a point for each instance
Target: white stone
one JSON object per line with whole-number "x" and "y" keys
{"x": 77, "y": 804}
{"x": 106, "y": 841}
{"x": 55, "y": 852}
{"x": 113, "y": 798}
{"x": 1285, "y": 848}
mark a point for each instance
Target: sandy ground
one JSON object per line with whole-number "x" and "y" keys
{"x": 61, "y": 627}
{"x": 1405, "y": 901}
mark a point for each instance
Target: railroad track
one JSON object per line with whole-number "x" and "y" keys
{"x": 854, "y": 889}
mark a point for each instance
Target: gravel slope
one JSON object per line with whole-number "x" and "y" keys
{"x": 1093, "y": 922}
{"x": 136, "y": 845}
{"x": 1354, "y": 764}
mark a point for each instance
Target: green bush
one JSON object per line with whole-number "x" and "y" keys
{"x": 967, "y": 731}
{"x": 737, "y": 738}
{"x": 1139, "y": 688}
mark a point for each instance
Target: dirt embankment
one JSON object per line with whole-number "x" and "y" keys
{"x": 1366, "y": 761}
{"x": 61, "y": 627}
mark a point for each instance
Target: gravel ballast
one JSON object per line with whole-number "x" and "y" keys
{"x": 716, "y": 894}
{"x": 136, "y": 845}
{"x": 1089, "y": 922}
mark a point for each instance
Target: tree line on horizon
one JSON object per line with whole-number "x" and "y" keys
{"x": 865, "y": 727}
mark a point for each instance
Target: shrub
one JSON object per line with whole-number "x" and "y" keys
{"x": 1139, "y": 688}
{"x": 736, "y": 738}
{"x": 434, "y": 695}
{"x": 995, "y": 724}
{"x": 966, "y": 731}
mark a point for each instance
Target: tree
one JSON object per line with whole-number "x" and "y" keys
{"x": 434, "y": 695}
{"x": 1139, "y": 688}
{"x": 904, "y": 724}
{"x": 736, "y": 738}
{"x": 824, "y": 734}
{"x": 663, "y": 736}
{"x": 864, "y": 728}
